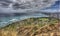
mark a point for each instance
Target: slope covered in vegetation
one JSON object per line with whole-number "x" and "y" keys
{"x": 31, "y": 27}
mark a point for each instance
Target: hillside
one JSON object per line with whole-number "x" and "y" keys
{"x": 42, "y": 26}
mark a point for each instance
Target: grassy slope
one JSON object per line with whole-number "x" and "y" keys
{"x": 22, "y": 27}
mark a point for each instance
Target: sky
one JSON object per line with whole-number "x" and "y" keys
{"x": 28, "y": 6}
{"x": 24, "y": 6}
{"x": 54, "y": 8}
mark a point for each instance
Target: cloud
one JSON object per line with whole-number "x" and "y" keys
{"x": 54, "y": 8}
{"x": 25, "y": 6}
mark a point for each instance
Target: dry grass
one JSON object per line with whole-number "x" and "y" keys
{"x": 32, "y": 27}
{"x": 33, "y": 31}
{"x": 8, "y": 33}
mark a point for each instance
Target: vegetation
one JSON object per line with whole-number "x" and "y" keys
{"x": 30, "y": 27}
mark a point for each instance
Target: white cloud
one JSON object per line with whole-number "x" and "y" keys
{"x": 51, "y": 10}
{"x": 40, "y": 4}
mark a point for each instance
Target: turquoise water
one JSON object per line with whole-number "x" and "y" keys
{"x": 6, "y": 20}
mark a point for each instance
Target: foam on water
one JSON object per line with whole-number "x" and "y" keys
{"x": 7, "y": 20}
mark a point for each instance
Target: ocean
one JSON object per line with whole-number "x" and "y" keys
{"x": 6, "y": 20}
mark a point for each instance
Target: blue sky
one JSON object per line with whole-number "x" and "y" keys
{"x": 54, "y": 7}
